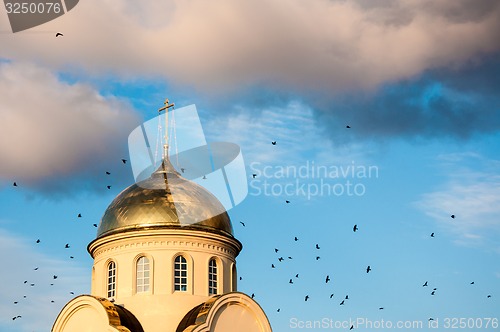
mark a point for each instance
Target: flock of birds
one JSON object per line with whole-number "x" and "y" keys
{"x": 39, "y": 242}
{"x": 327, "y": 278}
{"x": 280, "y": 258}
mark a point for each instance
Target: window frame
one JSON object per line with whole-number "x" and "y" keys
{"x": 182, "y": 285}
{"x": 111, "y": 279}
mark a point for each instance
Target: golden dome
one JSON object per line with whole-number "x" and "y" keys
{"x": 165, "y": 200}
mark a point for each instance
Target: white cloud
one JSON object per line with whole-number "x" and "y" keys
{"x": 223, "y": 45}
{"x": 50, "y": 129}
{"x": 37, "y": 311}
{"x": 472, "y": 194}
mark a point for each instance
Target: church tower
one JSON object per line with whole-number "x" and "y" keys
{"x": 164, "y": 263}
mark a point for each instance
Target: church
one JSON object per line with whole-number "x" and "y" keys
{"x": 154, "y": 271}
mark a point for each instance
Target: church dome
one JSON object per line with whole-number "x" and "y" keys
{"x": 165, "y": 200}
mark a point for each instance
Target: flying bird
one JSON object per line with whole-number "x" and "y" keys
{"x": 352, "y": 326}
{"x": 59, "y": 34}
{"x": 124, "y": 161}
{"x": 278, "y": 310}
{"x": 273, "y": 142}
{"x": 95, "y": 225}
{"x": 79, "y": 215}
{"x": 109, "y": 187}
{"x": 183, "y": 170}
{"x": 66, "y": 246}
{"x": 254, "y": 175}
{"x": 38, "y": 241}
{"x": 291, "y": 281}
{"x": 108, "y": 173}
{"x": 317, "y": 257}
{"x": 296, "y": 239}
{"x": 71, "y": 257}
{"x": 355, "y": 228}
{"x": 287, "y": 202}
{"x": 306, "y": 298}
{"x": 331, "y": 295}
{"x": 317, "y": 246}
{"x": 489, "y": 296}
{"x": 381, "y": 308}
{"x": 342, "y": 303}
{"x": 15, "y": 184}
{"x": 432, "y": 234}
{"x": 253, "y": 295}
{"x": 36, "y": 268}
{"x": 276, "y": 250}
{"x": 281, "y": 259}
{"x": 204, "y": 177}
{"x": 472, "y": 283}
{"x": 290, "y": 257}
{"x": 348, "y": 127}
{"x": 452, "y": 216}
{"x": 347, "y": 297}
{"x": 272, "y": 266}
{"x": 368, "y": 269}
{"x": 297, "y": 275}
{"x": 327, "y": 279}
{"x": 433, "y": 292}
{"x": 55, "y": 277}
{"x": 425, "y": 285}
{"x": 241, "y": 222}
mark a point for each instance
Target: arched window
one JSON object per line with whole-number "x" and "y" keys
{"x": 111, "y": 279}
{"x": 234, "y": 278}
{"x": 180, "y": 274}
{"x": 142, "y": 279}
{"x": 212, "y": 277}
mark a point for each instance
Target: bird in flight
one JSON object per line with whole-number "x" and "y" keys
{"x": 327, "y": 279}
{"x": 472, "y": 283}
{"x": 291, "y": 281}
{"x": 347, "y": 297}
{"x": 425, "y": 285}
{"x": 287, "y": 202}
{"x": 254, "y": 175}
{"x": 433, "y": 292}
{"x": 79, "y": 215}
{"x": 253, "y": 295}
{"x": 55, "y": 277}
{"x": 489, "y": 296}
{"x": 317, "y": 246}
{"x": 95, "y": 225}
{"x": 290, "y": 257}
{"x": 342, "y": 303}
{"x": 297, "y": 275}
{"x": 59, "y": 34}
{"x": 331, "y": 295}
{"x": 109, "y": 187}
{"x": 108, "y": 173}
{"x": 381, "y": 308}
{"x": 355, "y": 228}
{"x": 273, "y": 142}
{"x": 317, "y": 257}
{"x": 124, "y": 161}
{"x": 352, "y": 326}
{"x": 281, "y": 259}
{"x": 276, "y": 249}
{"x": 452, "y": 216}
{"x": 15, "y": 184}
{"x": 38, "y": 241}
{"x": 241, "y": 222}
{"x": 272, "y": 265}
{"x": 183, "y": 170}
{"x": 36, "y": 269}
{"x": 432, "y": 234}
{"x": 66, "y": 246}
{"x": 296, "y": 239}
{"x": 368, "y": 269}
{"x": 306, "y": 298}
{"x": 348, "y": 127}
{"x": 278, "y": 310}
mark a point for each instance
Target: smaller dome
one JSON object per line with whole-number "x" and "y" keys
{"x": 165, "y": 200}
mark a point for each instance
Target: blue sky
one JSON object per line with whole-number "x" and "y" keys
{"x": 417, "y": 82}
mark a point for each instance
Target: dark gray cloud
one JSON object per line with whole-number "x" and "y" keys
{"x": 451, "y": 102}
